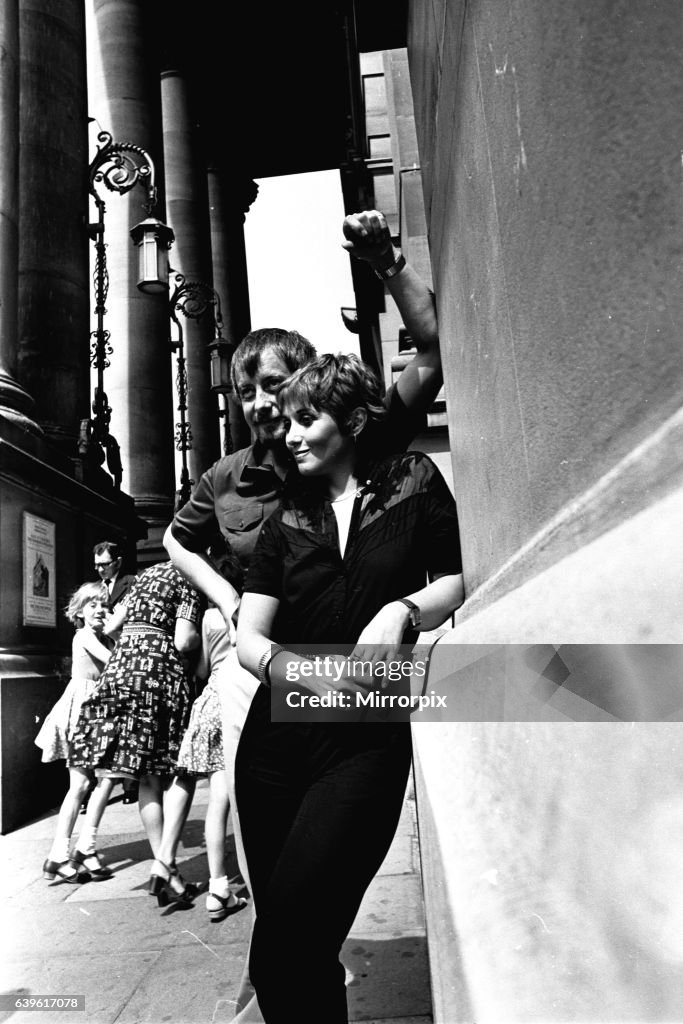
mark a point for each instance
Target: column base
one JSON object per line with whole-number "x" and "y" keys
{"x": 16, "y": 404}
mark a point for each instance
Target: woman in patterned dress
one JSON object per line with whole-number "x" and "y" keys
{"x": 133, "y": 726}
{"x": 201, "y": 752}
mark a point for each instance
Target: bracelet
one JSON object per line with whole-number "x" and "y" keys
{"x": 264, "y": 663}
{"x": 393, "y": 270}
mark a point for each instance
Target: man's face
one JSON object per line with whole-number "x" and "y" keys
{"x": 259, "y": 404}
{"x": 106, "y": 567}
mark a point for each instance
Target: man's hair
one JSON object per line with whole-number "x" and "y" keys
{"x": 108, "y": 547}
{"x": 291, "y": 347}
{"x": 86, "y": 592}
{"x": 336, "y": 384}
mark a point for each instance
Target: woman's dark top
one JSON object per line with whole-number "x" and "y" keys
{"x": 404, "y": 526}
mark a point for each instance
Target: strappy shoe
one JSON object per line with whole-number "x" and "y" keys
{"x": 65, "y": 871}
{"x": 220, "y": 907}
{"x": 191, "y": 888}
{"x": 98, "y": 871}
{"x": 160, "y": 885}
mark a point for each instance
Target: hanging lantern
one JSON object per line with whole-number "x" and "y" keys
{"x": 220, "y": 352}
{"x": 153, "y": 240}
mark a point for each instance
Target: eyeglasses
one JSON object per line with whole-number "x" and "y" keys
{"x": 103, "y": 565}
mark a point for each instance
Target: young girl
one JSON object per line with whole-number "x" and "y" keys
{"x": 90, "y": 651}
{"x": 201, "y": 751}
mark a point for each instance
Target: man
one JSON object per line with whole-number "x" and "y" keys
{"x": 238, "y": 493}
{"x": 108, "y": 560}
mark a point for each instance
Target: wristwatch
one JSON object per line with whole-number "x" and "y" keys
{"x": 388, "y": 272}
{"x": 415, "y": 616}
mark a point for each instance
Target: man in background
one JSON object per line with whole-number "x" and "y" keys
{"x": 108, "y": 560}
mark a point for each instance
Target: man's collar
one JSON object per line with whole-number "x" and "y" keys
{"x": 262, "y": 456}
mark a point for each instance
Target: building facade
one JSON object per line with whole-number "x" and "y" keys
{"x": 530, "y": 157}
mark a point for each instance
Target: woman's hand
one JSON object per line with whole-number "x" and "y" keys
{"x": 330, "y": 673}
{"x": 381, "y": 639}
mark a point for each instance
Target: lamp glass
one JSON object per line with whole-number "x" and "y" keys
{"x": 152, "y": 264}
{"x": 220, "y": 368}
{"x": 153, "y": 240}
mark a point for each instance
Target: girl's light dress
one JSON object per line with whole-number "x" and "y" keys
{"x": 201, "y": 751}
{"x": 57, "y": 730}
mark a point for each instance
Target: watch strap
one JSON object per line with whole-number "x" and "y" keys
{"x": 393, "y": 270}
{"x": 415, "y": 618}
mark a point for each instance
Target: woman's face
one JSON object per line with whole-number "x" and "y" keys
{"x": 94, "y": 612}
{"x": 314, "y": 440}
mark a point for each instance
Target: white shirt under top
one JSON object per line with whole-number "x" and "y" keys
{"x": 343, "y": 510}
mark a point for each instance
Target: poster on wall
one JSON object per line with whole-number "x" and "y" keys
{"x": 40, "y": 594}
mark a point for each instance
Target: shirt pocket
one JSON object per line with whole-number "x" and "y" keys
{"x": 239, "y": 519}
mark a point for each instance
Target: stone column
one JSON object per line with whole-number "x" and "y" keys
{"x": 53, "y": 243}
{"x": 124, "y": 100}
{"x": 187, "y": 204}
{"x": 14, "y": 401}
{"x": 230, "y": 197}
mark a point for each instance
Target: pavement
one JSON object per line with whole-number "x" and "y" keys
{"x": 137, "y": 964}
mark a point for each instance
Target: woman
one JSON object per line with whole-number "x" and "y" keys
{"x": 90, "y": 652}
{"x": 344, "y": 561}
{"x": 133, "y": 726}
{"x": 202, "y": 751}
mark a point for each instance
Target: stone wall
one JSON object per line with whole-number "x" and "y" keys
{"x": 550, "y": 139}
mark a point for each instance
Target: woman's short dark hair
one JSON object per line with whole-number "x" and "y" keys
{"x": 336, "y": 384}
{"x": 289, "y": 346}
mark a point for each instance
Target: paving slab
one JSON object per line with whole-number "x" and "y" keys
{"x": 115, "y": 926}
{"x": 427, "y": 1019}
{"x": 184, "y": 986}
{"x": 390, "y": 977}
{"x": 392, "y": 905}
{"x": 106, "y": 979}
{"x": 137, "y": 963}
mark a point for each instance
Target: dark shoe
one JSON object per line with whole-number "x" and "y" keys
{"x": 66, "y": 871}
{"x": 162, "y": 886}
{"x": 191, "y": 888}
{"x": 130, "y": 793}
{"x": 220, "y": 907}
{"x": 98, "y": 871}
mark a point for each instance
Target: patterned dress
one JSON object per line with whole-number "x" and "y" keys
{"x": 59, "y": 726}
{"x": 134, "y": 723}
{"x": 201, "y": 751}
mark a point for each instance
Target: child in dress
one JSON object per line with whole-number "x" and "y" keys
{"x": 201, "y": 752}
{"x": 90, "y": 651}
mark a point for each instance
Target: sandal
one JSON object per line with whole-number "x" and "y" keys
{"x": 98, "y": 871}
{"x": 220, "y": 907}
{"x": 161, "y": 887}
{"x": 192, "y": 889}
{"x": 65, "y": 871}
